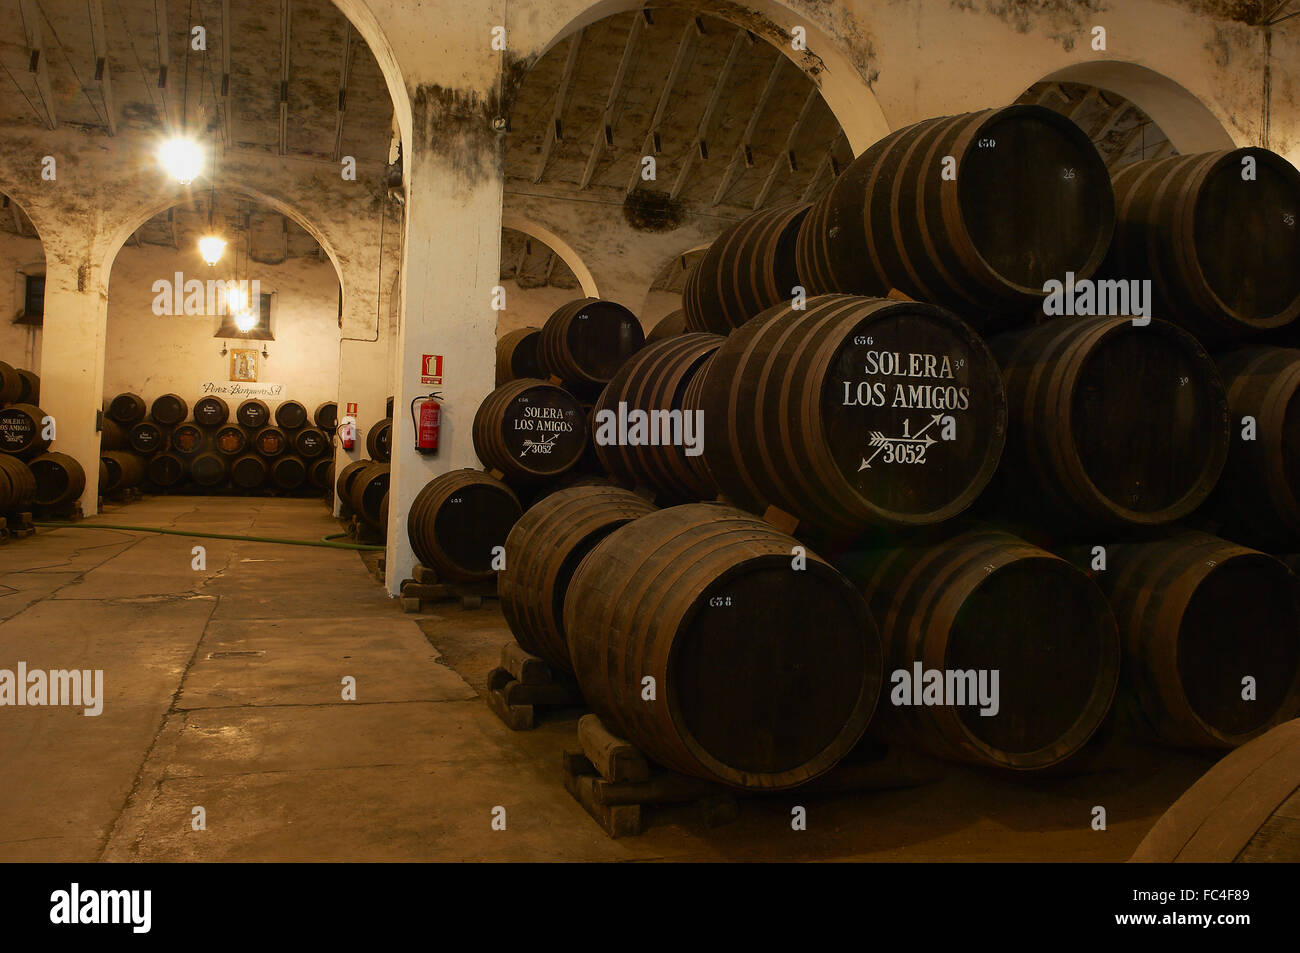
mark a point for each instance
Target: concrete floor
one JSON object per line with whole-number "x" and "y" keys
{"x": 223, "y": 691}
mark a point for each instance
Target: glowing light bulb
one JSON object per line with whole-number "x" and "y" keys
{"x": 211, "y": 248}
{"x": 245, "y": 321}
{"x": 236, "y": 299}
{"x": 182, "y": 158}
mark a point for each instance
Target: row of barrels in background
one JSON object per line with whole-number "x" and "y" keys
{"x": 20, "y": 393}
{"x": 174, "y": 447}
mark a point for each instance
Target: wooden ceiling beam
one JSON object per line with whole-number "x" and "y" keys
{"x": 604, "y": 138}
{"x": 286, "y": 14}
{"x": 164, "y": 58}
{"x": 742, "y": 39}
{"x": 786, "y": 156}
{"x": 555, "y": 129}
{"x": 1108, "y": 121}
{"x": 651, "y": 144}
{"x": 227, "y": 120}
{"x": 37, "y": 65}
{"x": 102, "y": 76}
{"x": 828, "y": 161}
{"x": 345, "y": 72}
{"x": 744, "y": 152}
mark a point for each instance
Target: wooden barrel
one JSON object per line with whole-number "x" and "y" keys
{"x": 321, "y": 473}
{"x": 747, "y": 692}
{"x": 326, "y": 416}
{"x": 1030, "y": 201}
{"x": 248, "y": 472}
{"x": 188, "y": 439}
{"x": 1245, "y": 809}
{"x": 290, "y": 415}
{"x": 530, "y": 430}
{"x": 270, "y": 441}
{"x": 456, "y": 522}
{"x": 230, "y": 440}
{"x": 1258, "y": 498}
{"x": 310, "y": 442}
{"x": 383, "y": 512}
{"x": 169, "y": 410}
{"x": 127, "y": 408}
{"x": 253, "y": 413}
{"x": 11, "y": 385}
{"x": 693, "y": 403}
{"x": 379, "y": 441}
{"x": 209, "y": 469}
{"x": 584, "y": 342}
{"x": 854, "y": 412}
{"x": 641, "y": 424}
{"x": 288, "y": 472}
{"x": 1220, "y": 250}
{"x": 31, "y": 387}
{"x": 146, "y": 437}
{"x": 985, "y": 602}
{"x": 105, "y": 476}
{"x": 17, "y": 484}
{"x": 59, "y": 479}
{"x": 542, "y": 552}
{"x": 211, "y": 411}
{"x": 1198, "y": 615}
{"x": 165, "y": 469}
{"x": 670, "y": 325}
{"x": 517, "y": 355}
{"x": 125, "y": 469}
{"x": 749, "y": 268}
{"x": 368, "y": 490}
{"x": 112, "y": 435}
{"x": 1110, "y": 424}
{"x": 22, "y": 431}
{"x": 349, "y": 473}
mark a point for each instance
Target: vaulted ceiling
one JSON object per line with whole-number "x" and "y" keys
{"x": 1121, "y": 131}
{"x": 732, "y": 124}
{"x": 278, "y": 77}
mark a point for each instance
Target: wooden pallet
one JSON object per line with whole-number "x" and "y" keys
{"x": 617, "y": 784}
{"x": 127, "y": 494}
{"x": 18, "y": 526}
{"x": 523, "y": 684}
{"x": 66, "y": 513}
{"x": 424, "y": 587}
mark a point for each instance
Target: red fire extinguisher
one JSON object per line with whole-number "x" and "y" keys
{"x": 348, "y": 433}
{"x": 428, "y": 423}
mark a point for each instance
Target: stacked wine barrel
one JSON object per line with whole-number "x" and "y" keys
{"x": 213, "y": 445}
{"x": 926, "y": 459}
{"x": 33, "y": 476}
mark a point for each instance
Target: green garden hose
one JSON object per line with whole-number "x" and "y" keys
{"x": 324, "y": 542}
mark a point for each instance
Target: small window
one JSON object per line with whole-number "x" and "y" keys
{"x": 33, "y": 301}
{"x": 259, "y": 332}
